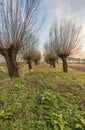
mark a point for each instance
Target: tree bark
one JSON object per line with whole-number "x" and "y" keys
{"x": 36, "y": 63}
{"x": 57, "y": 61}
{"x": 65, "y": 67}
{"x": 12, "y": 65}
{"x": 29, "y": 64}
{"x": 54, "y": 64}
{"x": 50, "y": 62}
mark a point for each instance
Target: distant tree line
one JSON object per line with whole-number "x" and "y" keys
{"x": 76, "y": 60}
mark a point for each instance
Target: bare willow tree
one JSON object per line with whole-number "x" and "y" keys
{"x": 36, "y": 56}
{"x": 49, "y": 54}
{"x": 28, "y": 58}
{"x": 28, "y": 50}
{"x": 51, "y": 59}
{"x": 17, "y": 19}
{"x": 67, "y": 39}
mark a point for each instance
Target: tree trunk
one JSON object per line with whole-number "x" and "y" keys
{"x": 36, "y": 63}
{"x": 54, "y": 64}
{"x": 29, "y": 64}
{"x": 12, "y": 65}
{"x": 65, "y": 67}
{"x": 57, "y": 61}
{"x": 50, "y": 62}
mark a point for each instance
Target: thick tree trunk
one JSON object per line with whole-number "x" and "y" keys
{"x": 54, "y": 64}
{"x": 12, "y": 65}
{"x": 65, "y": 67}
{"x": 29, "y": 64}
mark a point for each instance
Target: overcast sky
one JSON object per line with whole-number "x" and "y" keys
{"x": 63, "y": 9}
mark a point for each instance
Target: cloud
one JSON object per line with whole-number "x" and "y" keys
{"x": 63, "y": 8}
{"x": 68, "y": 9}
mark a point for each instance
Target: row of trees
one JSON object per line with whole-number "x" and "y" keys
{"x": 19, "y": 24}
{"x": 32, "y": 54}
{"x": 64, "y": 40}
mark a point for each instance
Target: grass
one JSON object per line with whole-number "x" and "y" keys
{"x": 42, "y": 99}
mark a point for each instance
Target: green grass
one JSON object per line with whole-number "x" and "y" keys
{"x": 42, "y": 99}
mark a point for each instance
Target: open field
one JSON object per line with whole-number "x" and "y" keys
{"x": 44, "y": 98}
{"x": 78, "y": 67}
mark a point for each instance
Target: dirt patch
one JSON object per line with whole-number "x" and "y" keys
{"x": 61, "y": 88}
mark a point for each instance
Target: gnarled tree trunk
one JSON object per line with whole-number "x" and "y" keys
{"x": 64, "y": 60}
{"x": 36, "y": 62}
{"x": 10, "y": 57}
{"x": 53, "y": 64}
{"x": 65, "y": 67}
{"x": 29, "y": 64}
{"x": 50, "y": 62}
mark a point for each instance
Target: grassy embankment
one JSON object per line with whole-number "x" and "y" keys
{"x": 42, "y": 99}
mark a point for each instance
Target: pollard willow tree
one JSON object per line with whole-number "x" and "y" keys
{"x": 29, "y": 49}
{"x": 36, "y": 56}
{"x": 67, "y": 38}
{"x": 28, "y": 58}
{"x": 49, "y": 48}
{"x": 50, "y": 54}
{"x": 17, "y": 19}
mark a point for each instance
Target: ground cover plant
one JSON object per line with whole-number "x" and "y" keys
{"x": 44, "y": 98}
